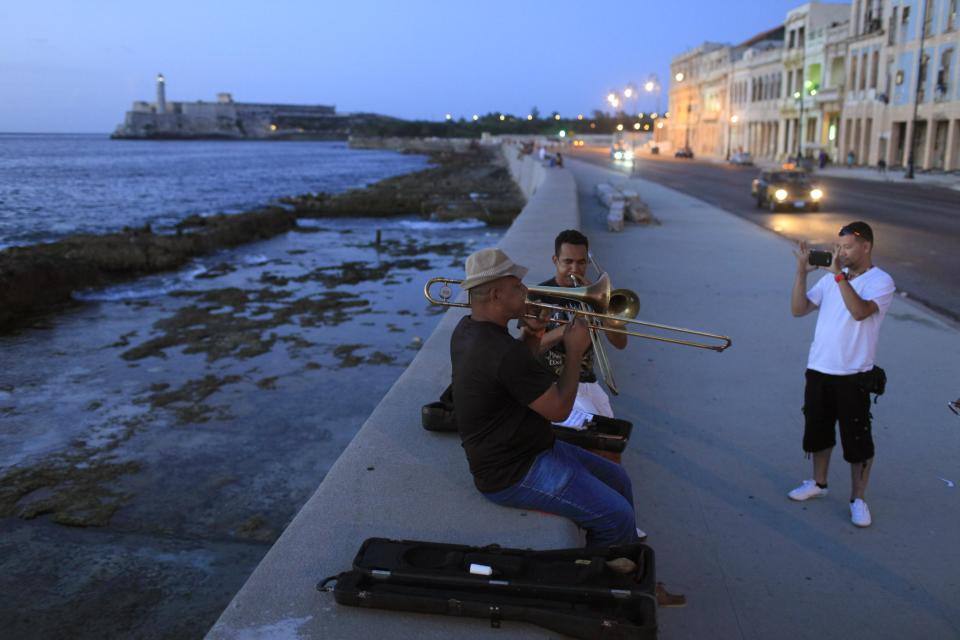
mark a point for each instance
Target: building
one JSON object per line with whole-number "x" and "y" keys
{"x": 812, "y": 58}
{"x": 884, "y": 97}
{"x": 755, "y": 95}
{"x": 228, "y": 119}
{"x": 843, "y": 80}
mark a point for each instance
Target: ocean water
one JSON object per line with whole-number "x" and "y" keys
{"x": 179, "y": 421}
{"x": 55, "y": 185}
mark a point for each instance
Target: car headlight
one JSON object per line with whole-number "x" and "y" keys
{"x": 816, "y": 194}
{"x": 618, "y": 155}
{"x": 628, "y": 155}
{"x": 780, "y": 194}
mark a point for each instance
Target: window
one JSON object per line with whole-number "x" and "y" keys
{"x": 863, "y": 72}
{"x": 853, "y": 72}
{"x": 906, "y": 16}
{"x": 801, "y": 40}
{"x": 892, "y": 30}
{"x": 791, "y": 42}
{"x": 952, "y": 15}
{"x": 924, "y": 63}
{"x": 928, "y": 17}
{"x": 873, "y": 69}
{"x": 943, "y": 75}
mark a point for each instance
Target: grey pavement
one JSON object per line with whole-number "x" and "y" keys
{"x": 716, "y": 441}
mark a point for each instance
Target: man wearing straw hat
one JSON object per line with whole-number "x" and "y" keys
{"x": 506, "y": 399}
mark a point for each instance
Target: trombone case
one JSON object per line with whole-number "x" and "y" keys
{"x": 569, "y": 591}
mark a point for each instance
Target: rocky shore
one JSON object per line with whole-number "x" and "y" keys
{"x": 463, "y": 184}
{"x": 472, "y": 183}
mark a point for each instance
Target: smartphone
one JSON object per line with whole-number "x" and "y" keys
{"x": 820, "y": 258}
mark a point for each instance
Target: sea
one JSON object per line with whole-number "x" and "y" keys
{"x": 157, "y": 435}
{"x": 54, "y": 185}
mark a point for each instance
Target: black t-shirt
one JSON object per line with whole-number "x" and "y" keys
{"x": 495, "y": 377}
{"x": 555, "y": 356}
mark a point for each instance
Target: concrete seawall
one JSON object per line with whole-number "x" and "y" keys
{"x": 397, "y": 480}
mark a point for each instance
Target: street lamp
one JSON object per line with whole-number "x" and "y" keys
{"x": 679, "y": 77}
{"x": 916, "y": 95}
{"x": 653, "y": 84}
{"x": 733, "y": 121}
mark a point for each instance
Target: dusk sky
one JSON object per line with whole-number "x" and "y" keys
{"x": 76, "y": 66}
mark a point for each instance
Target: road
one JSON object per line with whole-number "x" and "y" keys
{"x": 916, "y": 227}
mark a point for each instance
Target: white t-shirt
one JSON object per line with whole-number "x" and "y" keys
{"x": 841, "y": 345}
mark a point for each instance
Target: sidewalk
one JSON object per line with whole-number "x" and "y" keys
{"x": 716, "y": 441}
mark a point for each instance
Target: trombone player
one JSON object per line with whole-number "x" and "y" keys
{"x": 506, "y": 398}
{"x": 570, "y": 257}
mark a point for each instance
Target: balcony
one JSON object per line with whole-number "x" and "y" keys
{"x": 829, "y": 94}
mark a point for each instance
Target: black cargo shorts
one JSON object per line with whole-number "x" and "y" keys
{"x": 829, "y": 399}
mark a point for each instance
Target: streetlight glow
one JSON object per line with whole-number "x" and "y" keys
{"x": 448, "y": 117}
{"x": 475, "y": 117}
{"x": 636, "y": 125}
{"x": 734, "y": 119}
{"x": 556, "y": 116}
{"x": 678, "y": 77}
{"x": 627, "y": 92}
{"x": 502, "y": 118}
{"x": 530, "y": 117}
{"x": 580, "y": 116}
{"x": 611, "y": 97}
{"x": 563, "y": 134}
{"x": 649, "y": 86}
{"x": 619, "y": 127}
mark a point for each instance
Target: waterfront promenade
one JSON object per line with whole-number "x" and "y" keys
{"x": 715, "y": 448}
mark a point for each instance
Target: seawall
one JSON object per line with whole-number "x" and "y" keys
{"x": 397, "y": 480}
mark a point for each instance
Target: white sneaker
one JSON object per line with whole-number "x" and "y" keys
{"x": 807, "y": 490}
{"x": 860, "y": 513}
{"x": 641, "y": 534}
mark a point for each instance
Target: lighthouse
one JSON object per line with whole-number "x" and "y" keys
{"x": 161, "y": 94}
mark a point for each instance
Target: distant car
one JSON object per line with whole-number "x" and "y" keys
{"x": 789, "y": 189}
{"x": 578, "y": 143}
{"x": 742, "y": 158}
{"x": 621, "y": 152}
{"x": 685, "y": 152}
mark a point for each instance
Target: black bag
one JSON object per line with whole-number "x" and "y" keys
{"x": 439, "y": 416}
{"x": 605, "y": 434}
{"x": 874, "y": 381}
{"x": 570, "y": 591}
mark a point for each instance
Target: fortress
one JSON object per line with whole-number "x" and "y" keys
{"x": 227, "y": 119}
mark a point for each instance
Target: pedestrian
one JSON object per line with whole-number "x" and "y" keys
{"x": 882, "y": 167}
{"x": 851, "y": 301}
{"x": 559, "y": 160}
{"x": 851, "y": 158}
{"x": 822, "y": 159}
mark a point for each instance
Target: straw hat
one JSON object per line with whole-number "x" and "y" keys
{"x": 488, "y": 265}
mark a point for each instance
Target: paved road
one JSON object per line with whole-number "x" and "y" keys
{"x": 917, "y": 227}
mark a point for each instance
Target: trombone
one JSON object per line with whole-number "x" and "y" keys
{"x": 610, "y": 306}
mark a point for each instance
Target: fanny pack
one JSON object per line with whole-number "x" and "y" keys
{"x": 874, "y": 381}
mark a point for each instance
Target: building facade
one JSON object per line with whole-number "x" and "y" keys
{"x": 843, "y": 81}
{"x": 892, "y": 87}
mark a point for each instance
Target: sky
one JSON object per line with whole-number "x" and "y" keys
{"x": 75, "y": 66}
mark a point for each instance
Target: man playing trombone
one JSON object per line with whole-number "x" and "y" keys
{"x": 506, "y": 398}
{"x": 570, "y": 256}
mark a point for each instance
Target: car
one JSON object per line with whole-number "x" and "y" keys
{"x": 620, "y": 151}
{"x": 741, "y": 158}
{"x": 578, "y": 143}
{"x": 786, "y": 188}
{"x": 685, "y": 152}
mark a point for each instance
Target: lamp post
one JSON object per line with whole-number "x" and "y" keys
{"x": 733, "y": 121}
{"x": 653, "y": 84}
{"x": 916, "y": 95}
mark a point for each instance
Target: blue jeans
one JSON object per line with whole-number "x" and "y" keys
{"x": 574, "y": 483}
